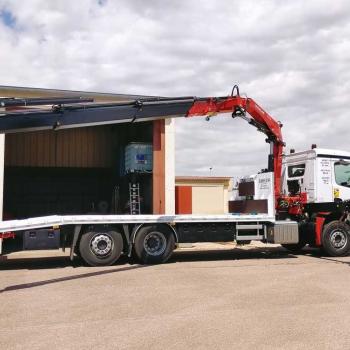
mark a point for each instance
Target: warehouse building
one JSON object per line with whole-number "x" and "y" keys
{"x": 87, "y": 169}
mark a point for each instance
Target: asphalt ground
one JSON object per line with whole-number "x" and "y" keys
{"x": 254, "y": 297}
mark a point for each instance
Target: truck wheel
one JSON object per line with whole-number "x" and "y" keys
{"x": 336, "y": 238}
{"x": 295, "y": 247}
{"x": 101, "y": 247}
{"x": 154, "y": 244}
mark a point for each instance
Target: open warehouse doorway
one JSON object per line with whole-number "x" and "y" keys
{"x": 75, "y": 171}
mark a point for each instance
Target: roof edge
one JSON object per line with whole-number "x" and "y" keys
{"x": 28, "y": 89}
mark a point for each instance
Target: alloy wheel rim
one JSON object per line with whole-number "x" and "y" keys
{"x": 101, "y": 245}
{"x": 338, "y": 239}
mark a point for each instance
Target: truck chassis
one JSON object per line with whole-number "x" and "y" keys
{"x": 101, "y": 239}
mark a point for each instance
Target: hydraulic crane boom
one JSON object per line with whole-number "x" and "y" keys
{"x": 63, "y": 115}
{"x": 239, "y": 106}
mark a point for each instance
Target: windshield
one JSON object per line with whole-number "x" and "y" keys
{"x": 342, "y": 173}
{"x": 296, "y": 170}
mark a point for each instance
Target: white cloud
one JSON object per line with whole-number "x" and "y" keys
{"x": 291, "y": 56}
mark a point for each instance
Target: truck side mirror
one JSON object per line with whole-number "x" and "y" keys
{"x": 343, "y": 162}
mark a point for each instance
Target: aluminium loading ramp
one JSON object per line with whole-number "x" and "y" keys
{"x": 65, "y": 220}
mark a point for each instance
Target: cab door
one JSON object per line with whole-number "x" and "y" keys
{"x": 309, "y": 180}
{"x": 299, "y": 177}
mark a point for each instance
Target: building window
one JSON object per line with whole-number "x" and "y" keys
{"x": 342, "y": 173}
{"x": 296, "y": 170}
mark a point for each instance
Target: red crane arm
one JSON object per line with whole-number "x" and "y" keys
{"x": 238, "y": 106}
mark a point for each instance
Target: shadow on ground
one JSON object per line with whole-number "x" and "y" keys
{"x": 182, "y": 255}
{"x": 236, "y": 253}
{"x": 69, "y": 278}
{"x": 334, "y": 260}
{"x": 125, "y": 264}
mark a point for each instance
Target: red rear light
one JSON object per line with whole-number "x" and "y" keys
{"x": 5, "y": 235}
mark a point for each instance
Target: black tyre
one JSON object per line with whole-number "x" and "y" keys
{"x": 101, "y": 247}
{"x": 336, "y": 238}
{"x": 154, "y": 244}
{"x": 295, "y": 247}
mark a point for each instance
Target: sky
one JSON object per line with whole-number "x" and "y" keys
{"x": 292, "y": 57}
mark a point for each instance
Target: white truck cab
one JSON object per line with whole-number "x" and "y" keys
{"x": 324, "y": 174}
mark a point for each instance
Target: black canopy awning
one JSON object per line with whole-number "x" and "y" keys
{"x": 79, "y": 115}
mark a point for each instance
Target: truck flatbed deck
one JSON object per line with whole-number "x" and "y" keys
{"x": 61, "y": 220}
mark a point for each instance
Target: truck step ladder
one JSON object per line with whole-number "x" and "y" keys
{"x": 248, "y": 232}
{"x": 134, "y": 198}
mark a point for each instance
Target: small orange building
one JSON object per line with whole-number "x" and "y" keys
{"x": 202, "y": 194}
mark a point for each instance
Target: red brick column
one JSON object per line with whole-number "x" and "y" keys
{"x": 159, "y": 166}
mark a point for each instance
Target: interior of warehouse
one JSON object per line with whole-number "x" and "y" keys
{"x": 79, "y": 171}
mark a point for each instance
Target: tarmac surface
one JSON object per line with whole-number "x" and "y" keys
{"x": 252, "y": 297}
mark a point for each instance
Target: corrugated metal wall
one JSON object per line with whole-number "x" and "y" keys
{"x": 83, "y": 147}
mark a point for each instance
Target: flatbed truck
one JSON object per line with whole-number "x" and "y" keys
{"x": 289, "y": 216}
